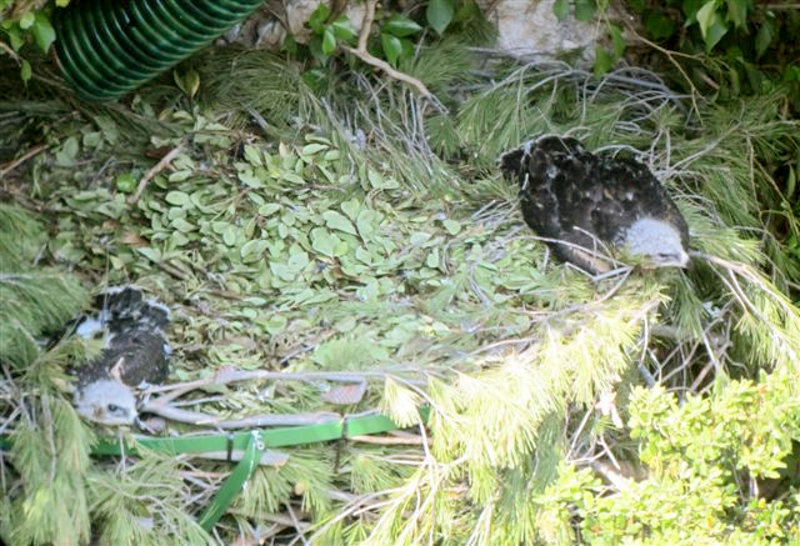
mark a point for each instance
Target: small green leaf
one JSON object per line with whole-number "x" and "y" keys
{"x": 791, "y": 73}
{"x": 561, "y": 9}
{"x": 318, "y": 18}
{"x": 659, "y": 25}
{"x": 715, "y": 33}
{"x": 392, "y": 47}
{"x": 15, "y": 38}
{"x": 324, "y": 242}
{"x": 452, "y": 226}
{"x": 182, "y": 225}
{"x": 313, "y": 148}
{"x": 229, "y": 235}
{"x": 253, "y": 155}
{"x": 27, "y": 20}
{"x": 602, "y": 61}
{"x": 275, "y": 324}
{"x": 66, "y": 155}
{"x": 181, "y": 175}
{"x": 690, "y": 9}
{"x": 408, "y": 48}
{"x": 366, "y": 223}
{"x": 315, "y": 46}
{"x": 125, "y": 182}
{"x": 585, "y": 9}
{"x": 378, "y": 181}
{"x": 43, "y": 32}
{"x": 336, "y": 220}
{"x": 791, "y": 183}
{"x": 25, "y": 71}
{"x": 400, "y": 26}
{"x": 375, "y": 178}
{"x": 616, "y": 40}
{"x": 419, "y": 238}
{"x": 439, "y": 14}
{"x": 737, "y": 12}
{"x": 191, "y": 83}
{"x": 706, "y": 16}
{"x": 764, "y": 36}
{"x": 177, "y": 198}
{"x": 342, "y": 29}
{"x": 150, "y": 253}
{"x": 253, "y": 249}
{"x": 290, "y": 45}
{"x": 328, "y": 41}
{"x": 268, "y": 209}
{"x": 432, "y": 260}
{"x": 351, "y": 208}
{"x": 249, "y": 178}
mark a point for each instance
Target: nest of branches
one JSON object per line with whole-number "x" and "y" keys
{"x": 368, "y": 258}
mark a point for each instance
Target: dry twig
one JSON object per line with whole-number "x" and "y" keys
{"x": 161, "y": 408}
{"x": 11, "y": 165}
{"x": 226, "y": 375}
{"x": 362, "y": 53}
{"x": 389, "y": 440}
{"x": 157, "y": 168}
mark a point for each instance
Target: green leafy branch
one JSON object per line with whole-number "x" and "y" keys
{"x": 19, "y": 29}
{"x": 394, "y": 41}
{"x": 393, "y": 38}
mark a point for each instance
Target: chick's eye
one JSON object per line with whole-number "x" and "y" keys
{"x": 113, "y": 408}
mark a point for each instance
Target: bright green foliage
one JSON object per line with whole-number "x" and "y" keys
{"x": 144, "y": 505}
{"x": 730, "y": 47}
{"x": 700, "y": 460}
{"x": 395, "y": 39}
{"x": 751, "y": 42}
{"x": 51, "y": 454}
{"x": 22, "y": 22}
{"x": 327, "y": 32}
{"x": 439, "y": 14}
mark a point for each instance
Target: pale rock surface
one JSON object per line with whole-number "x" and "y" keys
{"x": 530, "y": 29}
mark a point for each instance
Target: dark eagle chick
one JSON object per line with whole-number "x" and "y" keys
{"x": 135, "y": 352}
{"x": 584, "y": 202}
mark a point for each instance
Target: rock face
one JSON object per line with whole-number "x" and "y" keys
{"x": 526, "y": 28}
{"x": 530, "y": 29}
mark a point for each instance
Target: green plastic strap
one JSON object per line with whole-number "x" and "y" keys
{"x": 333, "y": 429}
{"x": 253, "y": 443}
{"x": 233, "y": 483}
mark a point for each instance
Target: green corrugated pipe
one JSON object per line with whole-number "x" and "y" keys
{"x": 107, "y": 48}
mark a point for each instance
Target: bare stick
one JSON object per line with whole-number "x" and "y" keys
{"x": 20, "y": 160}
{"x": 362, "y": 53}
{"x": 615, "y": 478}
{"x": 389, "y": 440}
{"x": 159, "y": 407}
{"x": 224, "y": 376}
{"x": 157, "y": 168}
